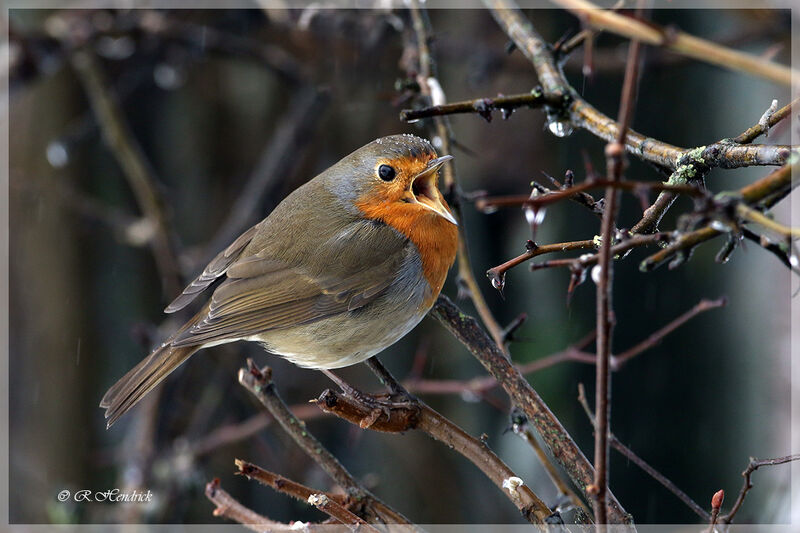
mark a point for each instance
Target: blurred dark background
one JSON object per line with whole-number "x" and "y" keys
{"x": 209, "y": 95}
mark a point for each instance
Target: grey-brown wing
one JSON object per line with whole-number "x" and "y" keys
{"x": 216, "y": 268}
{"x": 263, "y": 293}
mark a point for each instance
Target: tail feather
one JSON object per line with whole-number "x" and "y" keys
{"x": 143, "y": 378}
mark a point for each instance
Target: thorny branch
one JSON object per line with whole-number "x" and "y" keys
{"x": 615, "y": 161}
{"x": 431, "y": 89}
{"x": 555, "y": 437}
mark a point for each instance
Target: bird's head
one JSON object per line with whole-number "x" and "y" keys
{"x": 394, "y": 177}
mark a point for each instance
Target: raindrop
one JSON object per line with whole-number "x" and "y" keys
{"x": 558, "y": 124}
{"x": 412, "y": 121}
{"x": 596, "y": 273}
{"x": 498, "y": 280}
{"x": 489, "y": 209}
{"x": 57, "y": 154}
{"x": 794, "y": 261}
{"x": 437, "y": 142}
{"x": 559, "y": 127}
{"x": 535, "y": 216}
{"x": 506, "y": 112}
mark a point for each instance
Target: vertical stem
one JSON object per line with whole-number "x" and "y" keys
{"x": 427, "y": 71}
{"x": 615, "y": 152}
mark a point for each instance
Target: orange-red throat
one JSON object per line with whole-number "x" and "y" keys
{"x": 412, "y": 204}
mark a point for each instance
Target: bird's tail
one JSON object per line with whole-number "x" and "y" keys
{"x": 143, "y": 378}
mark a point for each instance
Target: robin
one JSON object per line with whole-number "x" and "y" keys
{"x": 343, "y": 267}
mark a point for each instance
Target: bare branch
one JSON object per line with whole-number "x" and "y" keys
{"x": 324, "y": 502}
{"x": 555, "y": 437}
{"x": 677, "y": 41}
{"x": 641, "y": 463}
{"x": 135, "y": 167}
{"x": 752, "y": 466}
{"x": 753, "y": 132}
{"x": 417, "y": 415}
{"x": 230, "y": 508}
{"x": 481, "y": 106}
{"x": 259, "y": 383}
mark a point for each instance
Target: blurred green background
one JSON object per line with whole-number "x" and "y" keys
{"x": 208, "y": 94}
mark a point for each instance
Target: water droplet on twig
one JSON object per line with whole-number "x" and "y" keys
{"x": 559, "y": 127}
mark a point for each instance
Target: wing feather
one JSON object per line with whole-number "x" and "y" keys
{"x": 262, "y": 293}
{"x": 216, "y": 268}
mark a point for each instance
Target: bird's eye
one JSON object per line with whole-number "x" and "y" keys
{"x": 386, "y": 173}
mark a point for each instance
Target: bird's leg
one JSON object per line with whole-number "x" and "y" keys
{"x": 397, "y": 398}
{"x": 399, "y": 395}
{"x": 376, "y": 405}
{"x": 346, "y": 387}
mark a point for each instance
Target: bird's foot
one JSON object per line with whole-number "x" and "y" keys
{"x": 377, "y": 404}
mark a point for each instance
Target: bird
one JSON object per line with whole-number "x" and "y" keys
{"x": 343, "y": 267}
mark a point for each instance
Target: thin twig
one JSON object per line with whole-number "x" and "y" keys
{"x": 481, "y": 106}
{"x": 134, "y": 164}
{"x": 615, "y": 161}
{"x": 753, "y": 215}
{"x": 228, "y": 507}
{"x": 555, "y": 196}
{"x": 641, "y": 463}
{"x": 677, "y": 41}
{"x": 497, "y": 274}
{"x": 752, "y": 466}
{"x": 427, "y": 81}
{"x": 323, "y": 501}
{"x": 753, "y": 132}
{"x": 521, "y": 428}
{"x": 652, "y": 340}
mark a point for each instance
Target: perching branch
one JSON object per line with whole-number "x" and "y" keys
{"x": 417, "y": 415}
{"x": 259, "y": 383}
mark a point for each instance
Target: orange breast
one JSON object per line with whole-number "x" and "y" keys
{"x": 435, "y": 238}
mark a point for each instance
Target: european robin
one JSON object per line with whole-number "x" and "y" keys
{"x": 343, "y": 267}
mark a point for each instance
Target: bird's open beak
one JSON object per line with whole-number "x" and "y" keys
{"x": 424, "y": 192}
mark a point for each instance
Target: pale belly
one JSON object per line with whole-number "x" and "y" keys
{"x": 339, "y": 341}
